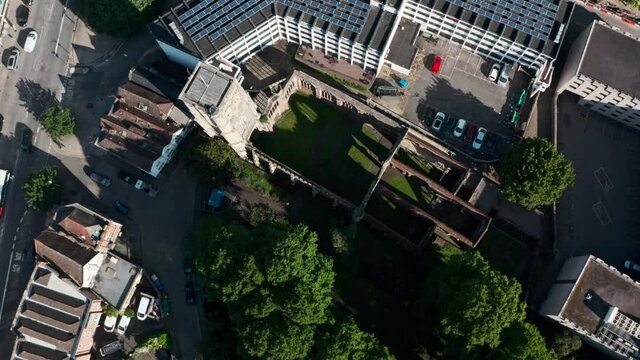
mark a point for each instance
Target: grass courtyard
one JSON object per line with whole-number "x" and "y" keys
{"x": 325, "y": 145}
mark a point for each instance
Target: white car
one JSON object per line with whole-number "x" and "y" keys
{"x": 144, "y": 306}
{"x": 110, "y": 323}
{"x": 460, "y": 126}
{"x": 30, "y": 42}
{"x": 495, "y": 71}
{"x": 631, "y": 265}
{"x": 123, "y": 324}
{"x": 477, "y": 143}
{"x": 438, "y": 121}
{"x": 503, "y": 80}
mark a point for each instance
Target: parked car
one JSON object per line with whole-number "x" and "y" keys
{"x": 126, "y": 177}
{"x": 111, "y": 348}
{"x": 189, "y": 292}
{"x": 144, "y": 306}
{"x": 121, "y": 208}
{"x": 22, "y": 15}
{"x": 503, "y": 80}
{"x": 460, "y": 126}
{"x": 157, "y": 283}
{"x": 110, "y": 323}
{"x": 28, "y": 2}
{"x": 438, "y": 121}
{"x": 13, "y": 62}
{"x": 494, "y": 72}
{"x": 437, "y": 63}
{"x": 26, "y": 139}
{"x": 123, "y": 324}
{"x": 100, "y": 179}
{"x": 470, "y": 133}
{"x": 632, "y": 266}
{"x": 477, "y": 143}
{"x": 30, "y": 42}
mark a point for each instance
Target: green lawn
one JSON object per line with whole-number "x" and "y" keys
{"x": 419, "y": 163}
{"x": 409, "y": 188}
{"x": 323, "y": 144}
{"x": 504, "y": 252}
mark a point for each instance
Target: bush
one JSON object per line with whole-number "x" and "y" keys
{"x": 128, "y": 312}
{"x": 42, "y": 189}
{"x": 153, "y": 343}
{"x": 262, "y": 213}
{"x": 58, "y": 122}
{"x": 342, "y": 238}
{"x": 109, "y": 310}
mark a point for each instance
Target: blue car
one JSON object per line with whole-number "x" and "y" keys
{"x": 122, "y": 208}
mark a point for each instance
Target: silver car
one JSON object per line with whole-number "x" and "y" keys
{"x": 438, "y": 121}
{"x": 14, "y": 60}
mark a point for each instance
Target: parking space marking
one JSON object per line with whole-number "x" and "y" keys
{"x": 601, "y": 213}
{"x": 603, "y": 179}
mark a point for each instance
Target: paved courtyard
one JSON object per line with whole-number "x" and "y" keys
{"x": 598, "y": 215}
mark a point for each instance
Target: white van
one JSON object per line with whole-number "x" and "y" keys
{"x": 30, "y": 42}
{"x": 144, "y": 307}
{"x": 123, "y": 324}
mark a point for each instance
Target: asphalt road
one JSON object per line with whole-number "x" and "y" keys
{"x": 23, "y": 95}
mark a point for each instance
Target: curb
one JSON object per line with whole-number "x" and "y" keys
{"x": 607, "y": 12}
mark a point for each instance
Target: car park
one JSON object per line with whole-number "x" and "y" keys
{"x": 110, "y": 323}
{"x": 144, "y": 306}
{"x": 111, "y": 348}
{"x": 437, "y": 63}
{"x": 470, "y": 133}
{"x": 494, "y": 72}
{"x": 13, "y": 62}
{"x": 30, "y": 42}
{"x": 100, "y": 179}
{"x": 438, "y": 121}
{"x": 121, "y": 208}
{"x": 22, "y": 15}
{"x": 26, "y": 139}
{"x": 632, "y": 266}
{"x": 480, "y": 136}
{"x": 123, "y": 324}
{"x": 460, "y": 127}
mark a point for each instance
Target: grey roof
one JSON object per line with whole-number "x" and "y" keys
{"x": 115, "y": 280}
{"x": 402, "y": 50}
{"x": 612, "y": 58}
{"x": 207, "y": 87}
{"x": 67, "y": 247}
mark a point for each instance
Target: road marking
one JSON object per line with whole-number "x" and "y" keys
{"x": 603, "y": 179}
{"x": 64, "y": 12}
{"x": 601, "y": 213}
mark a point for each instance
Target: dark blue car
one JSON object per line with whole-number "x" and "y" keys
{"x": 122, "y": 208}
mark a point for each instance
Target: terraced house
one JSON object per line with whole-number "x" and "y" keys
{"x": 361, "y": 32}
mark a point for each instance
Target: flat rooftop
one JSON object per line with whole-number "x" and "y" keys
{"x": 402, "y": 50}
{"x": 115, "y": 280}
{"x": 611, "y": 58}
{"x": 207, "y": 87}
{"x": 609, "y": 288}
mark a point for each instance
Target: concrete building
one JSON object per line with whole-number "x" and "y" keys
{"x": 599, "y": 303}
{"x": 220, "y": 105}
{"x": 109, "y": 276}
{"x": 602, "y": 69}
{"x": 363, "y": 33}
{"x": 55, "y": 318}
{"x": 143, "y": 127}
{"x": 88, "y": 226}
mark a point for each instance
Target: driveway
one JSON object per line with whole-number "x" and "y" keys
{"x": 599, "y": 214}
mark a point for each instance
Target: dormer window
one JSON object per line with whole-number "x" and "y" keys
{"x": 142, "y": 106}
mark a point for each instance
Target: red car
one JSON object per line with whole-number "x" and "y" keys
{"x": 470, "y": 133}
{"x": 435, "y": 67}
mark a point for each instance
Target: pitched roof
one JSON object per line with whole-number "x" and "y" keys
{"x": 64, "y": 253}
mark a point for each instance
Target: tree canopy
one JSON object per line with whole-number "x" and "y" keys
{"x": 119, "y": 18}
{"x": 58, "y": 122}
{"x": 564, "y": 345}
{"x": 42, "y": 189}
{"x": 534, "y": 173}
{"x": 345, "y": 341}
{"x": 522, "y": 341}
{"x": 473, "y": 302}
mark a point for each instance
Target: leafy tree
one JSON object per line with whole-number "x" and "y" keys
{"x": 119, "y": 18}
{"x": 42, "y": 190}
{"x": 58, "y": 122}
{"x": 473, "y": 302}
{"x": 522, "y": 341}
{"x": 153, "y": 343}
{"x": 534, "y": 173}
{"x": 345, "y": 341}
{"x": 212, "y": 158}
{"x": 564, "y": 344}
{"x": 275, "y": 284}
{"x": 109, "y": 310}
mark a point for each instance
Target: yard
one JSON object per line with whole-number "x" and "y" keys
{"x": 327, "y": 146}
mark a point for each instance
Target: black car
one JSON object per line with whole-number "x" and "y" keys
{"x": 189, "y": 292}
{"x": 126, "y": 177}
{"x": 22, "y": 15}
{"x": 26, "y": 139}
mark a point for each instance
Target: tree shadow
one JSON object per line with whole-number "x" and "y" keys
{"x": 34, "y": 97}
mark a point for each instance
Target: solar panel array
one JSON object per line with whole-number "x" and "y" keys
{"x": 533, "y": 17}
{"x": 213, "y": 18}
